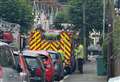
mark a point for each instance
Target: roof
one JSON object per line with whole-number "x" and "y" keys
{"x": 50, "y": 51}
{"x": 33, "y": 53}
{"x": 56, "y": 31}
{"x": 16, "y": 52}
{"x": 3, "y": 43}
{"x": 29, "y": 53}
{"x": 115, "y": 79}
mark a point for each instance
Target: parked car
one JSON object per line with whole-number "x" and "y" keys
{"x": 114, "y": 79}
{"x": 21, "y": 65}
{"x": 49, "y": 67}
{"x": 35, "y": 66}
{"x": 8, "y": 70}
{"x": 57, "y": 61}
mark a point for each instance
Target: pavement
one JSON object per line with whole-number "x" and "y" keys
{"x": 89, "y": 75}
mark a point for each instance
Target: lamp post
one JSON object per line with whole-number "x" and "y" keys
{"x": 104, "y": 3}
{"x": 84, "y": 27}
{"x": 110, "y": 41}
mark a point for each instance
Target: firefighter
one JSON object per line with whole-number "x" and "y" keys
{"x": 79, "y": 55}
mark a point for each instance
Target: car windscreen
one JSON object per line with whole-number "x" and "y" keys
{"x": 6, "y": 57}
{"x": 54, "y": 56}
{"x": 43, "y": 58}
{"x": 32, "y": 62}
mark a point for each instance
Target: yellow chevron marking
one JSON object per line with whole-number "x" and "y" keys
{"x": 38, "y": 36}
{"x": 68, "y": 38}
{"x": 37, "y": 47}
{"x": 37, "y": 42}
{"x": 55, "y": 44}
{"x": 68, "y": 53}
{"x": 35, "y": 34}
{"x": 65, "y": 46}
{"x": 53, "y": 47}
{"x": 58, "y": 42}
{"x": 66, "y": 57}
{"x": 65, "y": 40}
{"x": 46, "y": 48}
{"x": 33, "y": 46}
{"x": 50, "y": 48}
{"x": 43, "y": 45}
{"x": 32, "y": 41}
{"x": 42, "y": 42}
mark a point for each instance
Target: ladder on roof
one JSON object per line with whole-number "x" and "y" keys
{"x": 7, "y": 26}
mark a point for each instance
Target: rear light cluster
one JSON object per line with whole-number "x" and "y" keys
{"x": 38, "y": 72}
{"x": 1, "y": 72}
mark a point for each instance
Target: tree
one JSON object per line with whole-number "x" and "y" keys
{"x": 62, "y": 1}
{"x": 60, "y": 18}
{"x": 93, "y": 15}
{"x": 17, "y": 11}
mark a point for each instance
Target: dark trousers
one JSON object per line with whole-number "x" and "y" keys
{"x": 80, "y": 65}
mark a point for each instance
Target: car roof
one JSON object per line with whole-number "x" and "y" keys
{"x": 3, "y": 43}
{"x": 32, "y": 53}
{"x": 16, "y": 52}
{"x": 114, "y": 79}
{"x": 50, "y": 51}
{"x": 26, "y": 53}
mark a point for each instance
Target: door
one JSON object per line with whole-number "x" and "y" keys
{"x": 7, "y": 63}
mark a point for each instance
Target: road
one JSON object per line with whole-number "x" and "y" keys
{"x": 88, "y": 76}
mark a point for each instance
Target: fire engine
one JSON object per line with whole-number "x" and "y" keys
{"x": 9, "y": 32}
{"x": 54, "y": 40}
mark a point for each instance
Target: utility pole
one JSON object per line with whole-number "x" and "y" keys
{"x": 84, "y": 27}
{"x": 104, "y": 3}
{"x": 110, "y": 41}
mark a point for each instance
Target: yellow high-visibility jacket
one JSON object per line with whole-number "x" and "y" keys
{"x": 62, "y": 54}
{"x": 79, "y": 52}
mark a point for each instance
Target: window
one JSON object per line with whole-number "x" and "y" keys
{"x": 32, "y": 62}
{"x": 54, "y": 56}
{"x": 44, "y": 58}
{"x": 51, "y": 36}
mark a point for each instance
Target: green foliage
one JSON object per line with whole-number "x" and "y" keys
{"x": 62, "y": 1}
{"x": 94, "y": 14}
{"x": 116, "y": 38}
{"x": 73, "y": 13}
{"x": 60, "y": 18}
{"x": 17, "y": 11}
